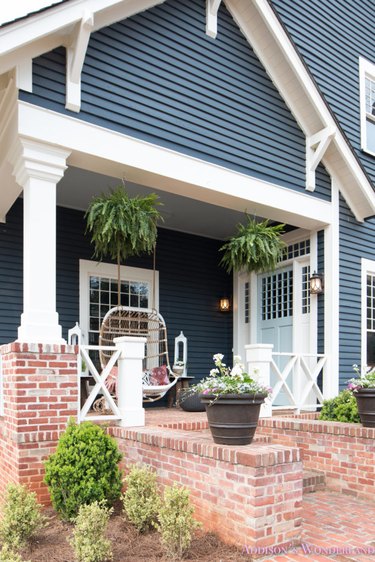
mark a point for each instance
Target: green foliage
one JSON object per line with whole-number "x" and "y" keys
{"x": 89, "y": 542}
{"x": 83, "y": 469}
{"x": 175, "y": 521}
{"x": 342, "y": 408}
{"x": 9, "y": 555}
{"x": 122, "y": 226}
{"x": 21, "y": 517}
{"x": 141, "y": 499}
{"x": 256, "y": 247}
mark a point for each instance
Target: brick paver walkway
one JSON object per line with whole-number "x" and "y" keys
{"x": 343, "y": 524}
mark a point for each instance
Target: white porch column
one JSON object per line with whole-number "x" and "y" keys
{"x": 37, "y": 169}
{"x": 129, "y": 382}
{"x": 258, "y": 360}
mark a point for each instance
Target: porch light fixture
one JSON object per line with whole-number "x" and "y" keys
{"x": 316, "y": 284}
{"x": 224, "y": 305}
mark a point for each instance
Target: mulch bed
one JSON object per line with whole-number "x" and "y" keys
{"x": 128, "y": 546}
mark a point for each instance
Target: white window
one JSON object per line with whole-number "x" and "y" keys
{"x": 367, "y": 93}
{"x": 98, "y": 293}
{"x": 368, "y": 312}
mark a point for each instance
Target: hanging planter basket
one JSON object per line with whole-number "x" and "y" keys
{"x": 256, "y": 247}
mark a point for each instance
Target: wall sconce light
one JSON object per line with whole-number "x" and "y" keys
{"x": 224, "y": 305}
{"x": 316, "y": 284}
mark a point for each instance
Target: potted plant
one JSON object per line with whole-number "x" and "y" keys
{"x": 189, "y": 400}
{"x": 257, "y": 247}
{"x": 122, "y": 226}
{"x": 232, "y": 399}
{"x": 363, "y": 388}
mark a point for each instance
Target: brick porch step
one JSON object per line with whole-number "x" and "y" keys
{"x": 313, "y": 481}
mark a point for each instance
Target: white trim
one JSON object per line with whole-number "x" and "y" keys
{"x": 88, "y": 268}
{"x": 313, "y": 298}
{"x": 258, "y": 22}
{"x": 115, "y": 154}
{"x": 24, "y": 75}
{"x": 367, "y": 266}
{"x": 212, "y": 8}
{"x": 331, "y": 299}
{"x": 265, "y": 34}
{"x": 366, "y": 69}
{"x": 52, "y": 28}
{"x": 75, "y": 58}
{"x": 316, "y": 147}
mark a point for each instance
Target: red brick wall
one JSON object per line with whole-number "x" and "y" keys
{"x": 40, "y": 394}
{"x": 344, "y": 452}
{"x": 250, "y": 496}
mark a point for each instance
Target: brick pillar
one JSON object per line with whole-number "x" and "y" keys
{"x": 40, "y": 395}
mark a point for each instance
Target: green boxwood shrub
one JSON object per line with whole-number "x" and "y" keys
{"x": 21, "y": 517}
{"x": 141, "y": 499}
{"x": 89, "y": 542}
{"x": 342, "y": 408}
{"x": 83, "y": 469}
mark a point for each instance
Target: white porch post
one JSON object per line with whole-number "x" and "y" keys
{"x": 37, "y": 169}
{"x": 258, "y": 360}
{"x": 129, "y": 382}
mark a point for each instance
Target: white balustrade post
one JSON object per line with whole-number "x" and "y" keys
{"x": 258, "y": 360}
{"x": 129, "y": 380}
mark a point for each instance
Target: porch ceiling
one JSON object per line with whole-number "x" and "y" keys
{"x": 78, "y": 186}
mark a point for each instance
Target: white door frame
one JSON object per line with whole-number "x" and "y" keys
{"x": 240, "y": 279}
{"x": 89, "y": 268}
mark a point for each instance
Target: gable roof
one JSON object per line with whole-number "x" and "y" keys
{"x": 42, "y": 32}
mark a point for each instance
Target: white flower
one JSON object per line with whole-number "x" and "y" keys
{"x": 237, "y": 359}
{"x": 237, "y": 370}
{"x": 214, "y": 372}
{"x": 218, "y": 357}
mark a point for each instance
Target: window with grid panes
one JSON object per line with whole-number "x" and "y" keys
{"x": 370, "y": 318}
{"x": 277, "y": 295}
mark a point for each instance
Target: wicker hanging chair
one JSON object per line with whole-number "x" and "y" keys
{"x": 146, "y": 322}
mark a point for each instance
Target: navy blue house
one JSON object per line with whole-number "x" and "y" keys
{"x": 221, "y": 108}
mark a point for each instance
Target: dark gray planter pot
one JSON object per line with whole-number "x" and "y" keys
{"x": 233, "y": 418}
{"x": 192, "y": 403}
{"x": 366, "y": 406}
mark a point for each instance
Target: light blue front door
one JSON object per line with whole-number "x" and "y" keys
{"x": 275, "y": 317}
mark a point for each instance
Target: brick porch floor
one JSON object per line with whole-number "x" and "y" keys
{"x": 330, "y": 520}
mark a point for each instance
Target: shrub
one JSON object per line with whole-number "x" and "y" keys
{"x": 9, "y": 555}
{"x": 342, "y": 408}
{"x": 141, "y": 500}
{"x": 83, "y": 469}
{"x": 89, "y": 542}
{"x": 176, "y": 522}
{"x": 21, "y": 517}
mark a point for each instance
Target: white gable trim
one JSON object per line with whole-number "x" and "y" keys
{"x": 40, "y": 33}
{"x": 258, "y": 22}
{"x": 212, "y": 7}
{"x": 274, "y": 49}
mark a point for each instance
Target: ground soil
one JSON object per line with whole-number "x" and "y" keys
{"x": 128, "y": 546}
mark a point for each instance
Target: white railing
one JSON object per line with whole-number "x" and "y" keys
{"x": 99, "y": 387}
{"x": 294, "y": 378}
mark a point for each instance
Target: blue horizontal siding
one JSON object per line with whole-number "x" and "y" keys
{"x": 331, "y": 36}
{"x": 158, "y": 77}
{"x": 191, "y": 284}
{"x": 356, "y": 242}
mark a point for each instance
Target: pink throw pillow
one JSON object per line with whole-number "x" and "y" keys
{"x": 159, "y": 376}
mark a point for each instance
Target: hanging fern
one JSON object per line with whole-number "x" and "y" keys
{"x": 257, "y": 247}
{"x": 122, "y": 226}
